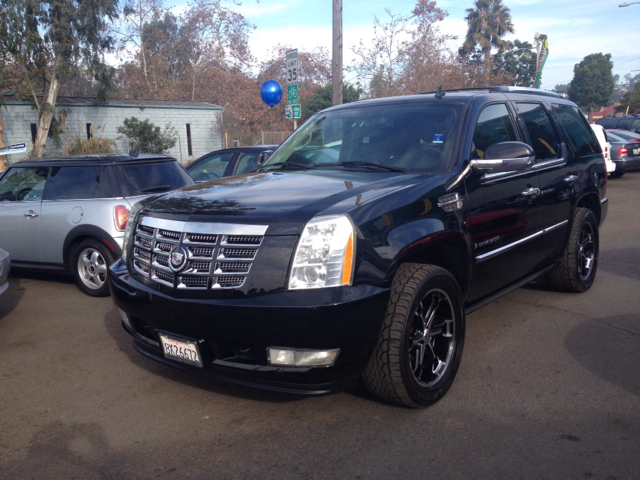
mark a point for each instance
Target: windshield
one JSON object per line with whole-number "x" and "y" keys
{"x": 151, "y": 177}
{"x": 410, "y": 137}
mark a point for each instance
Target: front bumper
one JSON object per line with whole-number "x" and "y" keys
{"x": 233, "y": 334}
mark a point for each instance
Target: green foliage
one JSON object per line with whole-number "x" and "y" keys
{"x": 592, "y": 83}
{"x": 322, "y": 98}
{"x": 145, "y": 137}
{"x": 517, "y": 60}
{"x": 487, "y": 23}
{"x": 631, "y": 99}
{"x": 57, "y": 38}
{"x": 82, "y": 146}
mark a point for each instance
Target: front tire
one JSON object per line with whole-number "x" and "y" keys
{"x": 90, "y": 262}
{"x": 420, "y": 344}
{"x": 579, "y": 262}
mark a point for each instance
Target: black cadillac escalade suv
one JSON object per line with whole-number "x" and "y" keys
{"x": 357, "y": 248}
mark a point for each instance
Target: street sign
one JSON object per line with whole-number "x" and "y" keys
{"x": 292, "y": 111}
{"x": 292, "y": 66}
{"x": 292, "y": 94}
{"x": 17, "y": 148}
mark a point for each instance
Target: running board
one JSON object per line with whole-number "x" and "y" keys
{"x": 485, "y": 301}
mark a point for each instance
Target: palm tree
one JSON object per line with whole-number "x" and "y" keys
{"x": 488, "y": 22}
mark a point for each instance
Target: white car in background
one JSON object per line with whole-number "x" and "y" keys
{"x": 601, "y": 135}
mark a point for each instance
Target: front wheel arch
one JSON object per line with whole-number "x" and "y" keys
{"x": 396, "y": 372}
{"x": 83, "y": 232}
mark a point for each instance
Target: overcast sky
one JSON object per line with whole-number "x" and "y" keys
{"x": 576, "y": 28}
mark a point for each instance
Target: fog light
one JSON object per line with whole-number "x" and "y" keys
{"x": 302, "y": 358}
{"x": 125, "y": 319}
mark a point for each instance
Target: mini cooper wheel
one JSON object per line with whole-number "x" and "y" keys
{"x": 579, "y": 262}
{"x": 420, "y": 344}
{"x": 91, "y": 263}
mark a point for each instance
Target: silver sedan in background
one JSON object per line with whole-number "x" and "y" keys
{"x": 5, "y": 266}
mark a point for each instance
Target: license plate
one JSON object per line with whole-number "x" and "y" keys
{"x": 636, "y": 151}
{"x": 180, "y": 350}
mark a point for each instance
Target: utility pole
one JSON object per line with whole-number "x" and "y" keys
{"x": 336, "y": 64}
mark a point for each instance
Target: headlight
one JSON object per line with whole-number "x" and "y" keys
{"x": 128, "y": 231}
{"x": 324, "y": 257}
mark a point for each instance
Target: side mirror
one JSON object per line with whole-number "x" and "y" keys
{"x": 264, "y": 156}
{"x": 505, "y": 157}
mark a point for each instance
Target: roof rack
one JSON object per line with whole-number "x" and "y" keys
{"x": 457, "y": 90}
{"x": 526, "y": 90}
{"x": 503, "y": 89}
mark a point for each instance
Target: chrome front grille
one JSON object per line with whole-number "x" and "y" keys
{"x": 246, "y": 253}
{"x": 219, "y": 256}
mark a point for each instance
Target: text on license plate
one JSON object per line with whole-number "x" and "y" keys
{"x": 180, "y": 350}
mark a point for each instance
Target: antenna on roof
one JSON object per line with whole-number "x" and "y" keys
{"x": 133, "y": 153}
{"x": 440, "y": 93}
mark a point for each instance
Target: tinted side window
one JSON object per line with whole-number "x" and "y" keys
{"x": 211, "y": 168}
{"x": 23, "y": 184}
{"x": 78, "y": 183}
{"x": 247, "y": 162}
{"x": 625, "y": 123}
{"x": 494, "y": 126}
{"x": 151, "y": 177}
{"x": 582, "y": 140}
{"x": 635, "y": 126}
{"x": 607, "y": 122}
{"x": 539, "y": 130}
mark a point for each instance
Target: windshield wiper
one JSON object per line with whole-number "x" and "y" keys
{"x": 159, "y": 188}
{"x": 301, "y": 166}
{"x": 369, "y": 165}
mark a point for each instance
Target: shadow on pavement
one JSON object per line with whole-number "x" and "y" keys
{"x": 10, "y": 299}
{"x": 64, "y": 450}
{"x": 610, "y": 349}
{"x": 113, "y": 325}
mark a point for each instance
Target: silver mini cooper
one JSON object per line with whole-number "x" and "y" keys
{"x": 68, "y": 214}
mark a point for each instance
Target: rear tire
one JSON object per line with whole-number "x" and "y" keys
{"x": 579, "y": 262}
{"x": 90, "y": 262}
{"x": 420, "y": 344}
{"x": 617, "y": 174}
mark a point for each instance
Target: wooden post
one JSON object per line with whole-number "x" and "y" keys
{"x": 336, "y": 64}
{"x": 4, "y": 160}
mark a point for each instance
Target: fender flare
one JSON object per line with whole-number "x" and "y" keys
{"x": 89, "y": 231}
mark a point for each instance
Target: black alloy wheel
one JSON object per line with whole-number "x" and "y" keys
{"x": 420, "y": 344}
{"x": 579, "y": 262}
{"x": 432, "y": 338}
{"x": 586, "y": 251}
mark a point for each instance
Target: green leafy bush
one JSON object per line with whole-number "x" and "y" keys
{"x": 145, "y": 137}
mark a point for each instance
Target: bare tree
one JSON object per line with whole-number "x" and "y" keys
{"x": 380, "y": 66}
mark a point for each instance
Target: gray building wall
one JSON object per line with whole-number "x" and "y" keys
{"x": 205, "y": 124}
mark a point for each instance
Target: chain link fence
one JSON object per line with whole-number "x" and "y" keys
{"x": 272, "y": 138}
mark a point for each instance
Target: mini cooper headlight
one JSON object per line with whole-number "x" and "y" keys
{"x": 325, "y": 253}
{"x": 128, "y": 230}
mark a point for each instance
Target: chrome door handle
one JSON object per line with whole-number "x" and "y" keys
{"x": 571, "y": 178}
{"x": 31, "y": 214}
{"x": 531, "y": 192}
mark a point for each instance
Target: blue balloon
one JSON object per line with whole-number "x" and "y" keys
{"x": 271, "y": 93}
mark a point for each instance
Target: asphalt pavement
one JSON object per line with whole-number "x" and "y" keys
{"x": 548, "y": 388}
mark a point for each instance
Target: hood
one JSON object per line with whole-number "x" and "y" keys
{"x": 283, "y": 200}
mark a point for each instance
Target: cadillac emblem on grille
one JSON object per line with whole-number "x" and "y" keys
{"x": 178, "y": 259}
